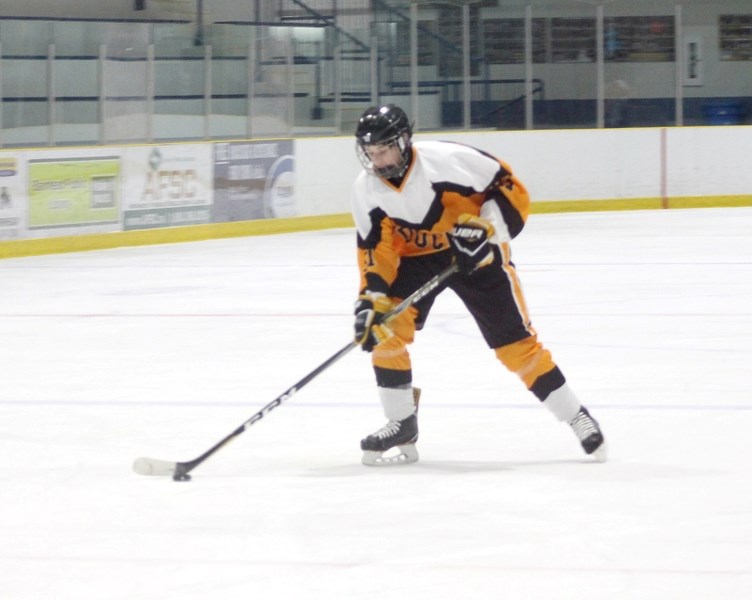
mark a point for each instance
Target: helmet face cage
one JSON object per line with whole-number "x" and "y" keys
{"x": 384, "y": 126}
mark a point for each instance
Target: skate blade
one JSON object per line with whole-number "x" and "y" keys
{"x": 600, "y": 454}
{"x": 405, "y": 455}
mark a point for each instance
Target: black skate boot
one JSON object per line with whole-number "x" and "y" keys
{"x": 402, "y": 433}
{"x": 589, "y": 433}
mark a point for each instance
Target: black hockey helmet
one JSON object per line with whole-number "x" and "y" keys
{"x": 384, "y": 125}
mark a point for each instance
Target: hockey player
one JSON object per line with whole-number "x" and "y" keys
{"x": 418, "y": 206}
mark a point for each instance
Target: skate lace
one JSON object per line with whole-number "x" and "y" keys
{"x": 583, "y": 425}
{"x": 388, "y": 430}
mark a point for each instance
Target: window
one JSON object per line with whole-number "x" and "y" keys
{"x": 735, "y": 37}
{"x": 426, "y": 43}
{"x": 639, "y": 39}
{"x": 504, "y": 41}
{"x": 573, "y": 40}
{"x": 450, "y": 30}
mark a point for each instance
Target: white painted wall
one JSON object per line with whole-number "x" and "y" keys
{"x": 576, "y": 164}
{"x": 562, "y": 165}
{"x": 705, "y": 161}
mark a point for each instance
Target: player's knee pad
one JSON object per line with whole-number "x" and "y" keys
{"x": 527, "y": 358}
{"x": 392, "y": 353}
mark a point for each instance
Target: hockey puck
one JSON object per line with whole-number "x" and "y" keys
{"x": 183, "y": 477}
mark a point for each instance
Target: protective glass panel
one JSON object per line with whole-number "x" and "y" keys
{"x": 228, "y": 109}
{"x": 270, "y": 108}
{"x": 639, "y": 53}
{"x": 566, "y": 74}
{"x": 126, "y": 90}
{"x": 24, "y": 82}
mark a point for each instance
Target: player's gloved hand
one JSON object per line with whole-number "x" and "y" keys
{"x": 370, "y": 308}
{"x": 470, "y": 244}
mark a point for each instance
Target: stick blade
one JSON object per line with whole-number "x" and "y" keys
{"x": 154, "y": 466}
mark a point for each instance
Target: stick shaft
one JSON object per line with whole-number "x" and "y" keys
{"x": 182, "y": 468}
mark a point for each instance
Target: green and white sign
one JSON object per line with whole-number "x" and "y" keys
{"x": 74, "y": 192}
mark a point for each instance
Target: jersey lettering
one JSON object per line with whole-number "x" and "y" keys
{"x": 422, "y": 239}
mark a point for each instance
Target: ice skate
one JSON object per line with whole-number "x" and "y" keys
{"x": 401, "y": 434}
{"x": 589, "y": 433}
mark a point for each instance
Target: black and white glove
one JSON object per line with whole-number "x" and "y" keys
{"x": 370, "y": 309}
{"x": 470, "y": 244}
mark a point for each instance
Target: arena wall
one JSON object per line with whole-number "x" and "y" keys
{"x": 73, "y": 199}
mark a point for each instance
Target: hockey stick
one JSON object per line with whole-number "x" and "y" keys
{"x": 179, "y": 470}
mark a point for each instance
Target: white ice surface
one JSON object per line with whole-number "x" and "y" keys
{"x": 162, "y": 351}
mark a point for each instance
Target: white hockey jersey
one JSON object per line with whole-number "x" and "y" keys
{"x": 443, "y": 181}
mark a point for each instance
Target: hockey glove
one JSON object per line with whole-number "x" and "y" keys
{"x": 370, "y": 309}
{"x": 470, "y": 244}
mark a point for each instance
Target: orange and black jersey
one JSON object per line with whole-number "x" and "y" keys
{"x": 443, "y": 181}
